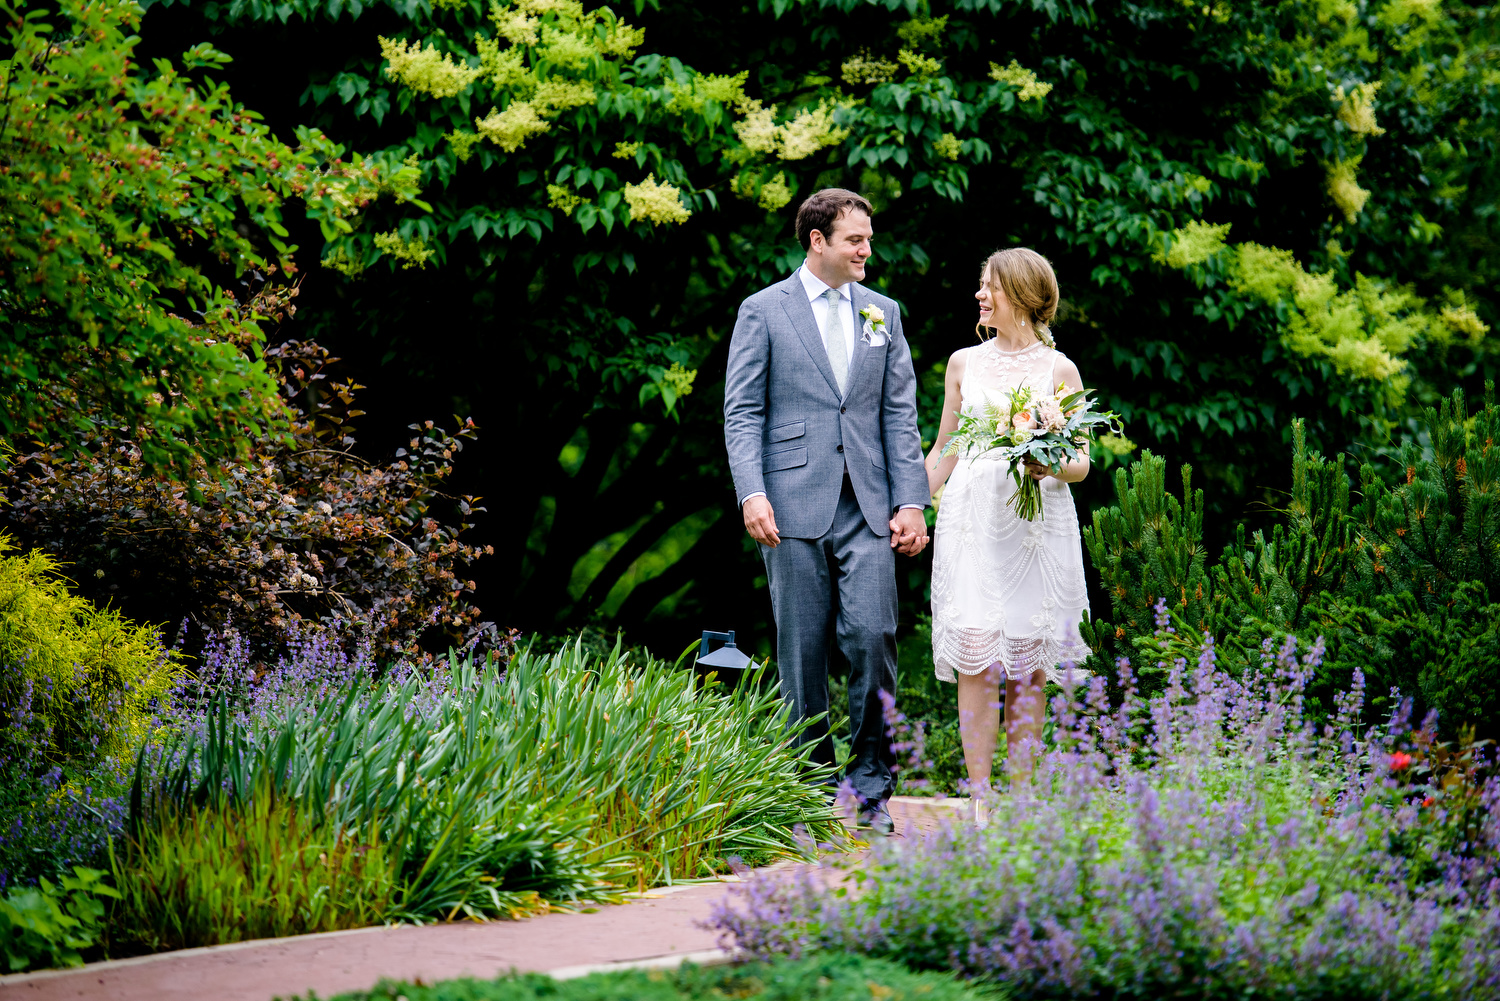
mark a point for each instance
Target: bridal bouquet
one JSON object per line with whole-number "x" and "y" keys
{"x": 1050, "y": 428}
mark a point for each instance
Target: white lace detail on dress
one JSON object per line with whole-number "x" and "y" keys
{"x": 1005, "y": 590}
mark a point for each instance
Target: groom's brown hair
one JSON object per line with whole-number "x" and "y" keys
{"x": 823, "y": 208}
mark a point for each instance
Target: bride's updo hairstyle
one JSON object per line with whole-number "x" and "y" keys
{"x": 1029, "y": 284}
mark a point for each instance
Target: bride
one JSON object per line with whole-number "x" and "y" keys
{"x": 1007, "y": 594}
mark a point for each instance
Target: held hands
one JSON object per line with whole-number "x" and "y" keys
{"x": 908, "y": 528}
{"x": 909, "y": 531}
{"x": 760, "y": 522}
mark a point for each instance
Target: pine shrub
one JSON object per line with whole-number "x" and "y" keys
{"x": 1399, "y": 579}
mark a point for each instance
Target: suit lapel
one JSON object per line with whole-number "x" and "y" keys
{"x": 799, "y": 311}
{"x": 861, "y": 299}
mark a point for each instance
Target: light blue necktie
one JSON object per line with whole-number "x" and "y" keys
{"x": 838, "y": 354}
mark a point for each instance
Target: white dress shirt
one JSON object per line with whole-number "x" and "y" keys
{"x": 817, "y": 296}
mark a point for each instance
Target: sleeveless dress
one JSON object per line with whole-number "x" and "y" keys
{"x": 1005, "y": 589}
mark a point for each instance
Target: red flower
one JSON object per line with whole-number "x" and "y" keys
{"x": 1428, "y": 801}
{"x": 1400, "y": 760}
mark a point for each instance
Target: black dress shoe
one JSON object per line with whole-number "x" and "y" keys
{"x": 877, "y": 819}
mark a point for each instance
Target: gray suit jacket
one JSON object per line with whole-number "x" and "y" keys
{"x": 790, "y": 435}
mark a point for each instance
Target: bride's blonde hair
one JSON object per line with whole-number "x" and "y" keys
{"x": 1030, "y": 285}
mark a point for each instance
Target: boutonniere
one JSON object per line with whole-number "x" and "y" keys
{"x": 874, "y": 334}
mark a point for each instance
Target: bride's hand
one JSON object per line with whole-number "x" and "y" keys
{"x": 1036, "y": 470}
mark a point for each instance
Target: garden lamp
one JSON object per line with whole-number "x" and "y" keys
{"x": 727, "y": 655}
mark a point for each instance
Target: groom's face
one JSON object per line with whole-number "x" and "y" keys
{"x": 845, "y": 250}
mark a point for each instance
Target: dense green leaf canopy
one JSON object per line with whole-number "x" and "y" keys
{"x": 1256, "y": 211}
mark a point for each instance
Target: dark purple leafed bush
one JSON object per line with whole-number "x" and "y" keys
{"x": 1208, "y": 842}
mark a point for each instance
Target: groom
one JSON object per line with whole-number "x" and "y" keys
{"x": 820, "y": 420}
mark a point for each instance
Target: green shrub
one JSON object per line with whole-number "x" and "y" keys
{"x": 84, "y": 676}
{"x": 47, "y": 925}
{"x": 1430, "y": 627}
{"x": 822, "y": 977}
{"x": 303, "y": 533}
{"x": 1398, "y": 578}
{"x": 222, "y": 874}
{"x": 1149, "y": 547}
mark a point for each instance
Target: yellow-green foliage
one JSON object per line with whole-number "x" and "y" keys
{"x": 463, "y": 143}
{"x": 1357, "y": 110}
{"x": 656, "y": 201}
{"x": 680, "y": 379}
{"x": 1192, "y": 244}
{"x": 810, "y": 130}
{"x": 1345, "y": 190}
{"x": 917, "y": 64}
{"x": 509, "y": 129}
{"x": 412, "y": 253}
{"x": 1023, "y": 79}
{"x": 564, "y": 199}
{"x": 1364, "y": 330}
{"x": 50, "y": 635}
{"x": 545, "y": 58}
{"x": 225, "y": 875}
{"x": 775, "y": 193}
{"x": 694, "y": 97}
{"x": 426, "y": 69}
{"x": 865, "y": 68}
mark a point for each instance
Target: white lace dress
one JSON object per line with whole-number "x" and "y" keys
{"x": 1005, "y": 590}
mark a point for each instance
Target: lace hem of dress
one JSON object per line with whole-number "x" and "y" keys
{"x": 972, "y": 651}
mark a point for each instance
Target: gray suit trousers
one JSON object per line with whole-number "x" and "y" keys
{"x": 838, "y": 593}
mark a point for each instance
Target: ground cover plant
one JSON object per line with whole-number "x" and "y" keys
{"x": 482, "y": 790}
{"x": 921, "y": 720}
{"x": 47, "y": 925}
{"x": 1209, "y": 840}
{"x": 825, "y": 977}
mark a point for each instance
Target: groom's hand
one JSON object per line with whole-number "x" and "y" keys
{"x": 760, "y": 521}
{"x": 909, "y": 531}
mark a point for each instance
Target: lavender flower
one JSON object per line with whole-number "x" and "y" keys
{"x": 1207, "y": 841}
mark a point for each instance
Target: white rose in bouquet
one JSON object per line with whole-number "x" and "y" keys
{"x": 1049, "y": 414}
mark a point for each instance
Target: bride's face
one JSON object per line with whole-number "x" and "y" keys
{"x": 992, "y": 302}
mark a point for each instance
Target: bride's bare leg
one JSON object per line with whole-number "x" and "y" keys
{"x": 1024, "y": 709}
{"x": 979, "y": 723}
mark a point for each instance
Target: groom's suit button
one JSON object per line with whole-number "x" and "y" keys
{"x": 843, "y": 410}
{"x": 841, "y": 448}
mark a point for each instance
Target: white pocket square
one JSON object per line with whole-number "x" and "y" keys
{"x": 874, "y": 338}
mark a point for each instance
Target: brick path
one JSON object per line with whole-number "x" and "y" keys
{"x": 660, "y": 928}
